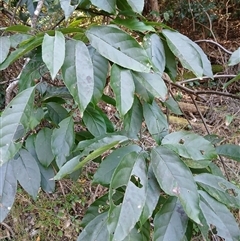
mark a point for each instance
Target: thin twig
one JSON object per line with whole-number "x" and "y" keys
{"x": 213, "y": 42}
{"x": 36, "y": 13}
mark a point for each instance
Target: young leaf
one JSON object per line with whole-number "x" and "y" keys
{"x": 4, "y": 46}
{"x": 176, "y": 179}
{"x": 220, "y": 189}
{"x": 100, "y": 70}
{"x": 182, "y": 48}
{"x": 154, "y": 83}
{"x": 78, "y": 73}
{"x": 8, "y": 189}
{"x": 133, "y": 119}
{"x": 27, "y": 172}
{"x": 43, "y": 146}
{"x": 136, "y": 5}
{"x": 62, "y": 140}
{"x": 96, "y": 229}
{"x": 170, "y": 223}
{"x": 230, "y": 151}
{"x": 190, "y": 145}
{"x": 156, "y": 52}
{"x": 119, "y": 47}
{"x": 14, "y": 124}
{"x": 106, "y": 5}
{"x": 235, "y": 58}
{"x": 131, "y": 173}
{"x": 53, "y": 52}
{"x": 104, "y": 173}
{"x": 123, "y": 87}
{"x": 152, "y": 196}
{"x": 155, "y": 120}
{"x": 94, "y": 121}
{"x": 218, "y": 215}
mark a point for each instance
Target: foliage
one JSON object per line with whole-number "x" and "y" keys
{"x": 169, "y": 184}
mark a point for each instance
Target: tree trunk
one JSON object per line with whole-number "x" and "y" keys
{"x": 151, "y": 8}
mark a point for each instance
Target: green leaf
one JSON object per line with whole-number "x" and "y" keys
{"x": 190, "y": 145}
{"x": 104, "y": 173}
{"x": 142, "y": 92}
{"x": 176, "y": 179}
{"x": 43, "y": 146}
{"x": 154, "y": 83}
{"x": 8, "y": 189}
{"x": 218, "y": 215}
{"x": 235, "y": 58}
{"x": 119, "y": 47}
{"x": 220, "y": 189}
{"x": 182, "y": 48}
{"x": 14, "y": 124}
{"x": 133, "y": 24}
{"x": 121, "y": 81}
{"x": 106, "y": 5}
{"x": 98, "y": 146}
{"x": 96, "y": 229}
{"x": 131, "y": 173}
{"x": 155, "y": 49}
{"x": 77, "y": 73}
{"x": 53, "y": 52}
{"x": 67, "y": 8}
{"x": 19, "y": 29}
{"x": 156, "y": 121}
{"x": 152, "y": 196}
{"x": 172, "y": 105}
{"x": 94, "y": 121}
{"x": 4, "y": 46}
{"x": 16, "y": 39}
{"x": 27, "y": 172}
{"x": 100, "y": 70}
{"x": 136, "y": 5}
{"x": 170, "y": 223}
{"x": 133, "y": 119}
{"x": 230, "y": 151}
{"x": 56, "y": 112}
{"x": 62, "y": 140}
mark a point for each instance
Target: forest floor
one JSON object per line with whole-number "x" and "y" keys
{"x": 57, "y": 216}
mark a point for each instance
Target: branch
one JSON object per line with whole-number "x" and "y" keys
{"x": 36, "y": 13}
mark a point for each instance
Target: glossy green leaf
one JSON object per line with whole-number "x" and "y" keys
{"x": 43, "y": 146}
{"x": 136, "y": 5}
{"x": 121, "y": 81}
{"x": 56, "y": 112}
{"x": 220, "y": 189}
{"x": 133, "y": 119}
{"x": 154, "y": 83}
{"x": 219, "y": 216}
{"x": 106, "y": 5}
{"x": 96, "y": 229}
{"x": 230, "y": 151}
{"x": 104, "y": 173}
{"x": 182, "y": 48}
{"x": 133, "y": 24}
{"x": 235, "y": 58}
{"x": 8, "y": 189}
{"x": 62, "y": 140}
{"x": 152, "y": 196}
{"x": 94, "y": 121}
{"x": 190, "y": 145}
{"x": 156, "y": 121}
{"x": 27, "y": 172}
{"x": 170, "y": 223}
{"x": 100, "y": 70}
{"x": 176, "y": 179}
{"x": 155, "y": 49}
{"x": 119, "y": 47}
{"x": 14, "y": 124}
{"x": 4, "y": 46}
{"x": 98, "y": 146}
{"x": 172, "y": 105}
{"x": 142, "y": 92}
{"x": 131, "y": 173}
{"x": 77, "y": 73}
{"x": 53, "y": 52}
